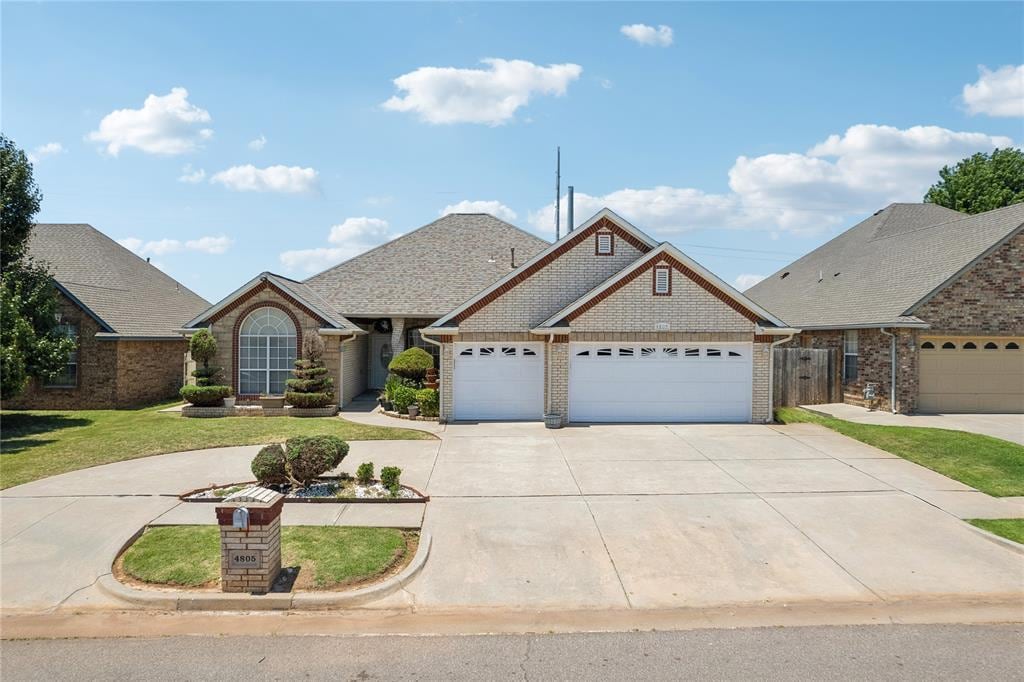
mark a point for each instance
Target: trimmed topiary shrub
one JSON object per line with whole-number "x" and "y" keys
{"x": 389, "y": 478}
{"x": 311, "y": 386}
{"x": 268, "y": 465}
{"x": 203, "y": 348}
{"x": 309, "y": 457}
{"x": 428, "y": 400}
{"x": 403, "y": 397}
{"x": 364, "y": 473}
{"x": 412, "y": 364}
{"x": 204, "y": 396}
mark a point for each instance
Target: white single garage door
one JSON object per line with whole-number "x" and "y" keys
{"x": 660, "y": 382}
{"x": 963, "y": 374}
{"x": 499, "y": 381}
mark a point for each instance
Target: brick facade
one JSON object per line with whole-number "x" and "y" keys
{"x": 987, "y": 300}
{"x": 112, "y": 373}
{"x": 629, "y": 310}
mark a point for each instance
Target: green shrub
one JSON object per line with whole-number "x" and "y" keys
{"x": 309, "y": 457}
{"x": 311, "y": 387}
{"x": 393, "y": 383}
{"x": 389, "y": 478}
{"x": 403, "y": 397}
{"x": 412, "y": 364}
{"x": 309, "y": 399}
{"x": 364, "y": 472}
{"x": 203, "y": 347}
{"x": 204, "y": 396}
{"x": 428, "y": 400}
{"x": 268, "y": 465}
{"x": 204, "y": 375}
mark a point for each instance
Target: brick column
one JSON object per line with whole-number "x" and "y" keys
{"x": 250, "y": 557}
{"x": 397, "y": 335}
{"x": 557, "y": 379}
{"x": 447, "y": 375}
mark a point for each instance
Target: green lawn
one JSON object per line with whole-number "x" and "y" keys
{"x": 1011, "y": 529}
{"x": 989, "y": 464}
{"x": 37, "y": 444}
{"x": 327, "y": 556}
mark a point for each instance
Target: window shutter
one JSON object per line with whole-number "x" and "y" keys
{"x": 661, "y": 280}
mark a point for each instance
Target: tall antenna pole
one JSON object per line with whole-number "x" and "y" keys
{"x": 558, "y": 193}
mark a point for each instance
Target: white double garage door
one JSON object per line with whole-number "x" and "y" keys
{"x": 608, "y": 382}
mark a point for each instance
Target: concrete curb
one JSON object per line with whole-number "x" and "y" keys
{"x": 221, "y": 601}
{"x": 998, "y": 539}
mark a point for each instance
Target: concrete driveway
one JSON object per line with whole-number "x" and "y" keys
{"x": 1006, "y": 426}
{"x": 579, "y": 518}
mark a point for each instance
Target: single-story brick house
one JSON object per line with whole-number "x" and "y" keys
{"x": 367, "y": 308}
{"x": 922, "y": 301}
{"x": 604, "y": 325}
{"x": 124, "y": 313}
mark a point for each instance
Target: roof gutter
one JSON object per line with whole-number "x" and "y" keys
{"x": 439, "y": 331}
{"x": 777, "y": 331}
{"x": 333, "y": 331}
{"x": 870, "y": 325}
{"x": 545, "y": 331}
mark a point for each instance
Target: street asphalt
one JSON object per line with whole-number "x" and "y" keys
{"x": 891, "y": 652}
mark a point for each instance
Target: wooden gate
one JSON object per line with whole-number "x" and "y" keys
{"x": 806, "y": 376}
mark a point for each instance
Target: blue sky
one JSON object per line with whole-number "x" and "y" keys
{"x": 286, "y": 137}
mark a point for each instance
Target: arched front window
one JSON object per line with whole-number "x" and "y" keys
{"x": 266, "y": 352}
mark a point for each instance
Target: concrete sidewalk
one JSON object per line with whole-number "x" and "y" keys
{"x": 1006, "y": 426}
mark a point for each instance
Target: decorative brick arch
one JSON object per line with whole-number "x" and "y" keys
{"x": 235, "y": 359}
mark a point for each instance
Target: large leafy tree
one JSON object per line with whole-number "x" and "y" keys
{"x": 31, "y": 345}
{"x": 981, "y": 182}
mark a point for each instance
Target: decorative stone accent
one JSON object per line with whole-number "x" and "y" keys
{"x": 250, "y": 540}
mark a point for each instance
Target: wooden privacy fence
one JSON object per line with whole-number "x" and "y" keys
{"x": 806, "y": 376}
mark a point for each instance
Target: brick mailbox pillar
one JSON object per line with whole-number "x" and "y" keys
{"x": 250, "y": 540}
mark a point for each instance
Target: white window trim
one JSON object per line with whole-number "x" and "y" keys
{"x": 266, "y": 369}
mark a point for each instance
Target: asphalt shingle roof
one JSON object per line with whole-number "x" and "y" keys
{"x": 429, "y": 271}
{"x": 132, "y": 296}
{"x": 873, "y": 273}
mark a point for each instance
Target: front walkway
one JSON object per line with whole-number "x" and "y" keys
{"x": 582, "y": 518}
{"x": 1006, "y": 426}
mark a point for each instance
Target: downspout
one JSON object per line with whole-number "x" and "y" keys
{"x": 892, "y": 369}
{"x": 771, "y": 374}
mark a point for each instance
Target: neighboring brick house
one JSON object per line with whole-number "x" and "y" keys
{"x": 607, "y": 325}
{"x": 124, "y": 313}
{"x": 366, "y": 309}
{"x": 923, "y": 302}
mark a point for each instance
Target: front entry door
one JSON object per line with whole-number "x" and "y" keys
{"x": 380, "y": 358}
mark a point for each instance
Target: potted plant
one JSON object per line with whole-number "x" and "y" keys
{"x": 552, "y": 420}
{"x": 414, "y": 410}
{"x": 229, "y": 401}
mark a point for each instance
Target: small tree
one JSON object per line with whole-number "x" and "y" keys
{"x": 311, "y": 386}
{"x": 203, "y": 347}
{"x": 981, "y": 182}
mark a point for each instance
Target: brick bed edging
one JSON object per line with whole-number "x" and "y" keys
{"x": 399, "y": 415}
{"x": 423, "y": 497}
{"x": 165, "y": 600}
{"x": 194, "y": 411}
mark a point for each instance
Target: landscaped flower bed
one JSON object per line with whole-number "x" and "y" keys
{"x": 325, "y": 489}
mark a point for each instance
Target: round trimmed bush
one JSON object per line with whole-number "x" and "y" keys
{"x": 268, "y": 465}
{"x": 309, "y": 457}
{"x": 412, "y": 363}
{"x": 204, "y": 396}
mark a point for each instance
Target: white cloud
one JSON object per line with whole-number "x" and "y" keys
{"x": 258, "y": 144}
{"x": 190, "y": 175}
{"x": 211, "y": 245}
{"x": 163, "y": 247}
{"x": 286, "y": 179}
{"x": 607, "y": 84}
{"x": 996, "y": 93}
{"x": 648, "y": 35}
{"x": 44, "y": 150}
{"x": 848, "y": 175}
{"x": 490, "y": 96}
{"x": 495, "y": 208}
{"x": 745, "y": 281}
{"x": 359, "y": 230}
{"x": 167, "y": 124}
{"x": 351, "y": 238}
